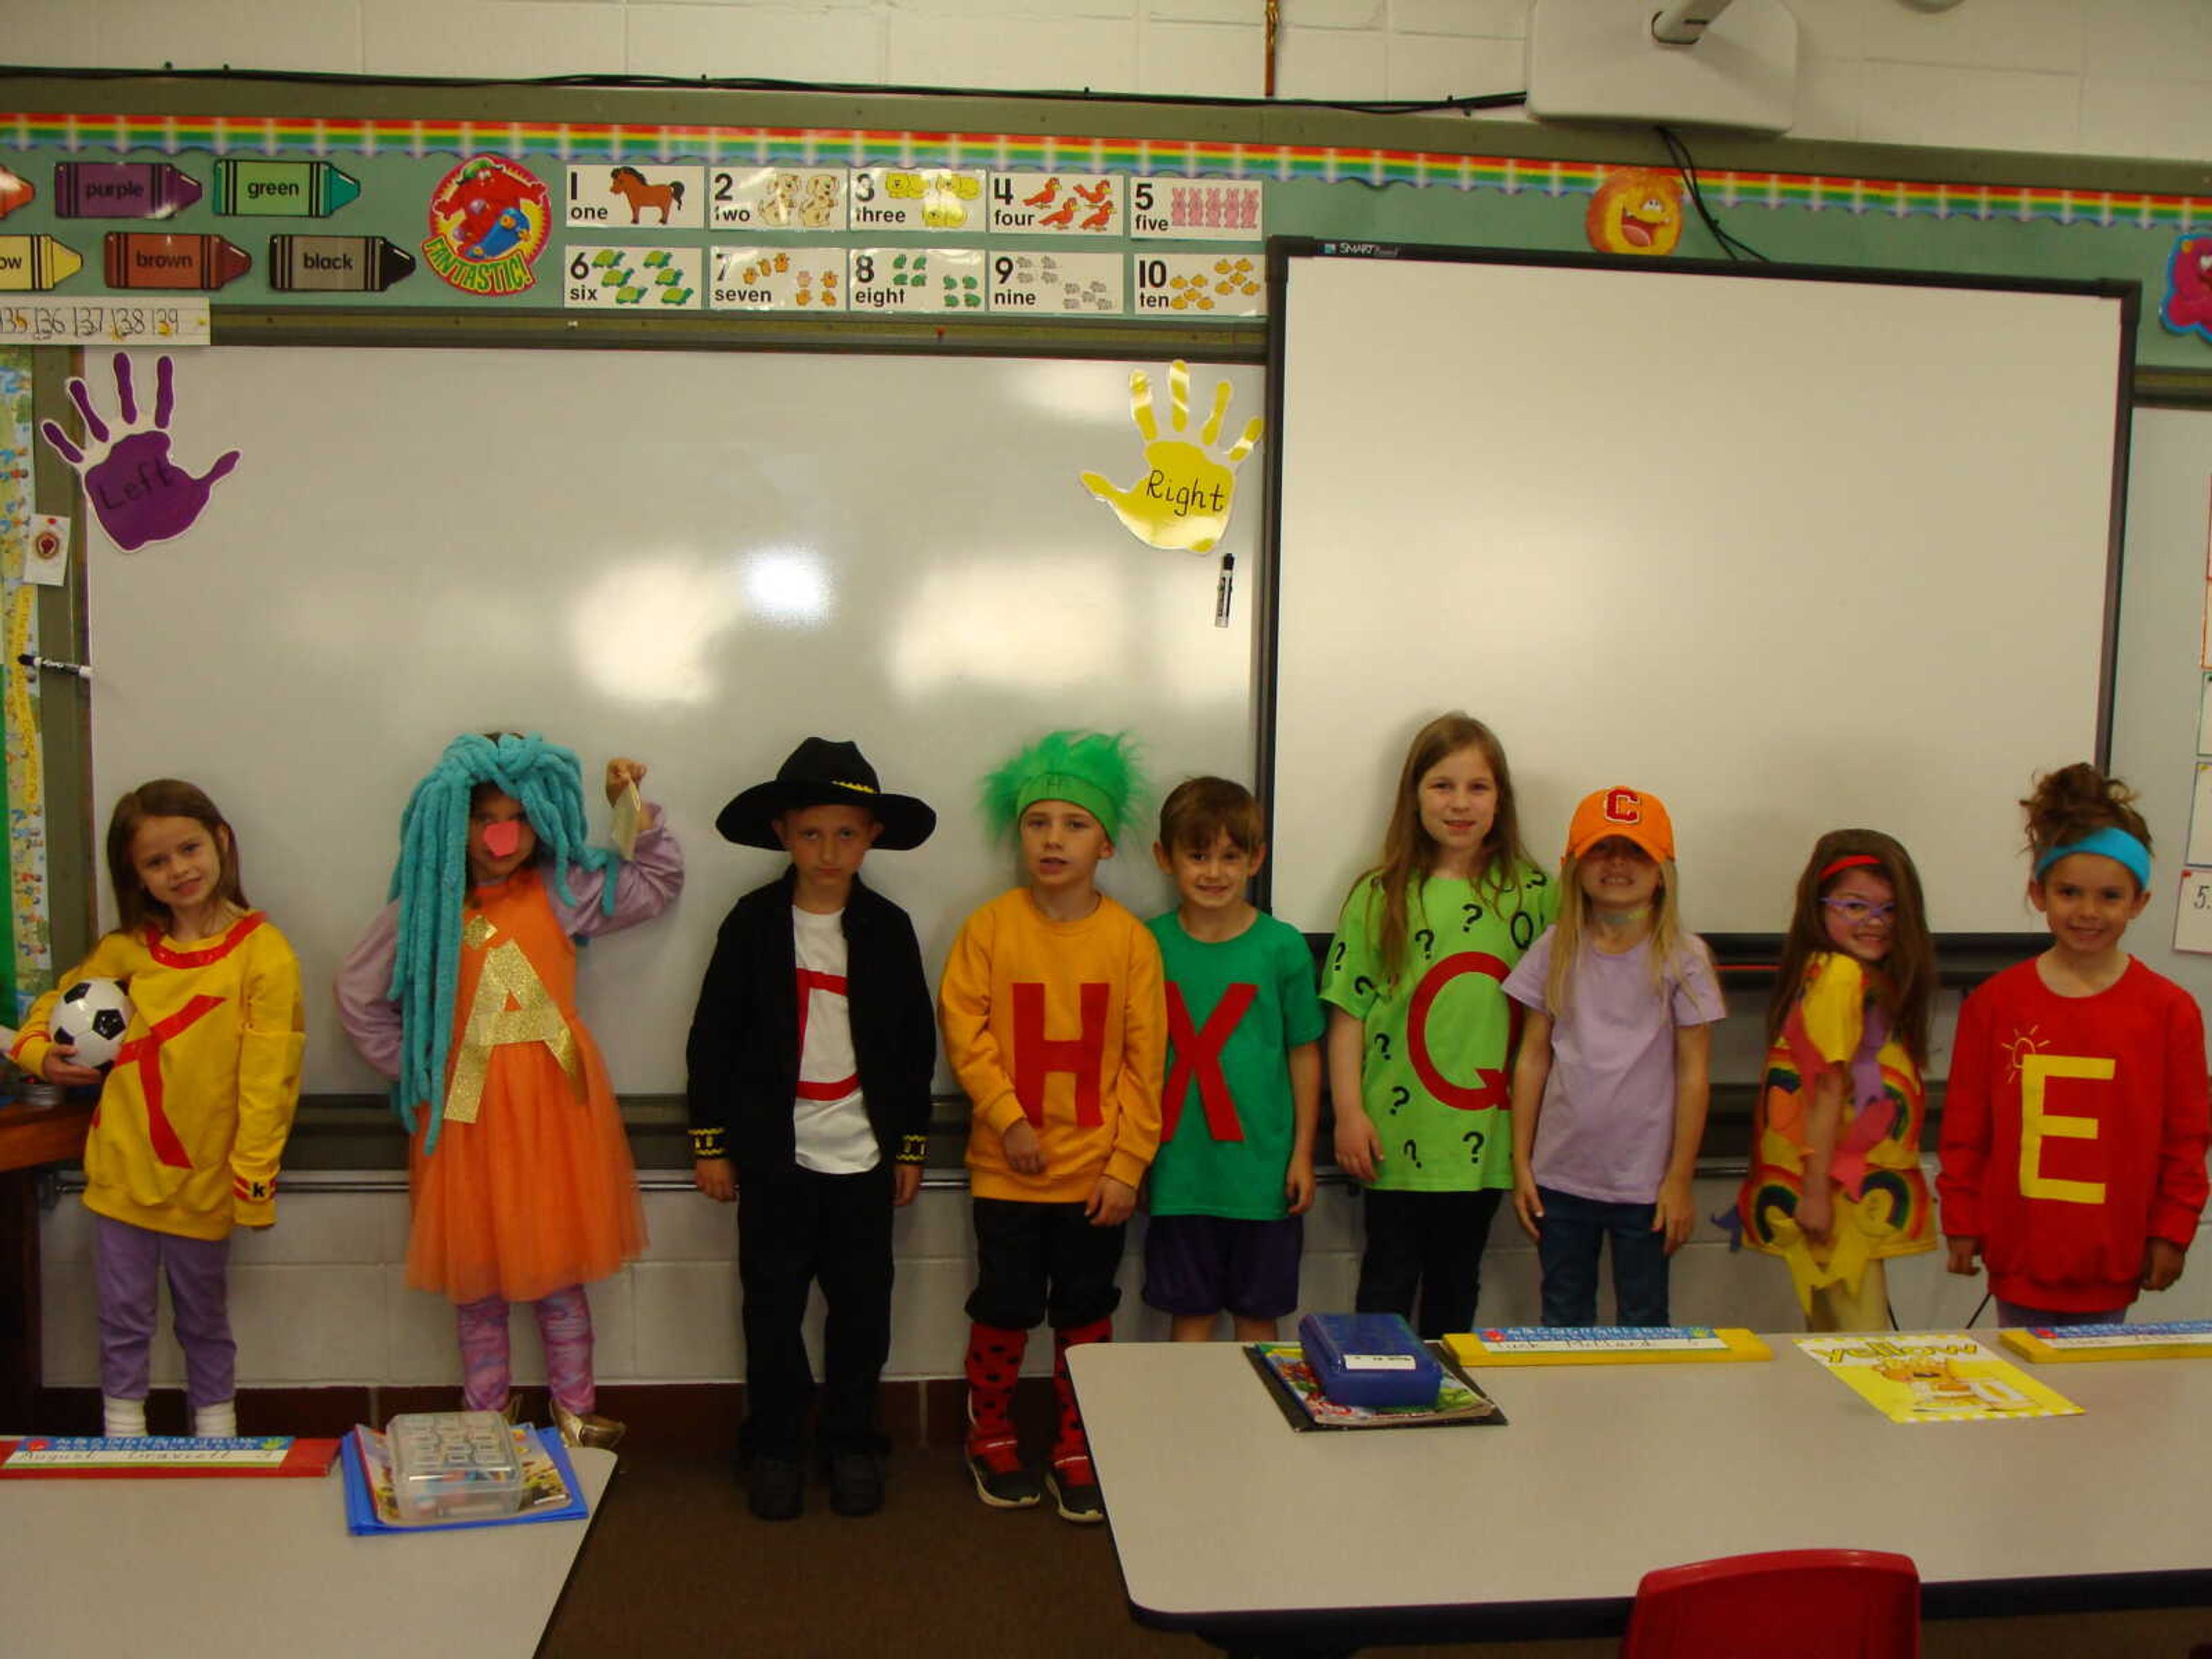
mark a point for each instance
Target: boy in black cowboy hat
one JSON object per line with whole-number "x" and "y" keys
{"x": 811, "y": 1055}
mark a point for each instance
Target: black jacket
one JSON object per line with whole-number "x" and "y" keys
{"x": 743, "y": 1055}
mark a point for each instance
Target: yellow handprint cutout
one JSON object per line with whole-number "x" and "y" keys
{"x": 1184, "y": 497}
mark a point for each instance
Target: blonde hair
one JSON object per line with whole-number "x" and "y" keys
{"x": 1666, "y": 938}
{"x": 1409, "y": 852}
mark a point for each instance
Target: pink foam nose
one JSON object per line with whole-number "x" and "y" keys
{"x": 501, "y": 839}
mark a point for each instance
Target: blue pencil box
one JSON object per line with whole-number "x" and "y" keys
{"x": 1370, "y": 1359}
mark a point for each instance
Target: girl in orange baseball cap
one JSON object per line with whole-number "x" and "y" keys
{"x": 1610, "y": 1086}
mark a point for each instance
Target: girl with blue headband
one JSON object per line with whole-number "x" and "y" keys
{"x": 2074, "y": 1124}
{"x": 464, "y": 992}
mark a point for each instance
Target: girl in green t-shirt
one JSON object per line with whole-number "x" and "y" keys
{"x": 1421, "y": 1033}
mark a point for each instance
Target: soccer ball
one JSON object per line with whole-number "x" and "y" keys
{"x": 92, "y": 1018}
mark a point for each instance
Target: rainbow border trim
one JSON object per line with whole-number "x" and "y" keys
{"x": 566, "y": 141}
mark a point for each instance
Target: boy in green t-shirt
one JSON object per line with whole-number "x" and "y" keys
{"x": 1234, "y": 1169}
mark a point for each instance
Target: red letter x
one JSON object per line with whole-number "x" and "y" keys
{"x": 1200, "y": 1051}
{"x": 146, "y": 1053}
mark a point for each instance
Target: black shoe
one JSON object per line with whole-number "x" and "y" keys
{"x": 1001, "y": 1479}
{"x": 1075, "y": 1492}
{"x": 856, "y": 1483}
{"x": 775, "y": 1488}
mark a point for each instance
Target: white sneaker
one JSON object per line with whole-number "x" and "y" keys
{"x": 122, "y": 1420}
{"x": 217, "y": 1422}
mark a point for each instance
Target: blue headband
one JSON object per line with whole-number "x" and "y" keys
{"x": 2108, "y": 841}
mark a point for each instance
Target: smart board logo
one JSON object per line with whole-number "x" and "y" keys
{"x": 489, "y": 223}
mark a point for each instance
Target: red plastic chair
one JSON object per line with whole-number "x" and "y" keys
{"x": 1809, "y": 1604}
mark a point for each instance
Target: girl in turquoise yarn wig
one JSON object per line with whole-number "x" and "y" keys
{"x": 431, "y": 879}
{"x": 462, "y": 992}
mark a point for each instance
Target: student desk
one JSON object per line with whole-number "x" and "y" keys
{"x": 1231, "y": 1526}
{"x": 248, "y": 1568}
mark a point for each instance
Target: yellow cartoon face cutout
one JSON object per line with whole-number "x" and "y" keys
{"x": 1636, "y": 210}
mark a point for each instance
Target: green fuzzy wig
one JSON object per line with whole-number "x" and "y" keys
{"x": 1097, "y": 771}
{"x": 431, "y": 882}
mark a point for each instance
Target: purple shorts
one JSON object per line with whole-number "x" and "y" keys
{"x": 1205, "y": 1264}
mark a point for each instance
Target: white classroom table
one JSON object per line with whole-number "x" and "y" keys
{"x": 1231, "y": 1525}
{"x": 264, "y": 1567}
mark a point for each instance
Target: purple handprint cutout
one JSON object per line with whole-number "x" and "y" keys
{"x": 137, "y": 493}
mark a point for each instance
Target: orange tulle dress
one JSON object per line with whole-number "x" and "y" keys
{"x": 531, "y": 1189}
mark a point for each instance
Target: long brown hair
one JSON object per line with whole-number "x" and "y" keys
{"x": 2074, "y": 800}
{"x": 164, "y": 798}
{"x": 1409, "y": 852}
{"x": 1910, "y": 968}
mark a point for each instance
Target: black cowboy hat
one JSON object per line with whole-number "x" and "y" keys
{"x": 820, "y": 773}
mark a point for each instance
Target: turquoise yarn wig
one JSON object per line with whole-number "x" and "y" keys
{"x": 431, "y": 881}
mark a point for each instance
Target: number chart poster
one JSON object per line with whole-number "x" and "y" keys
{"x": 683, "y": 222}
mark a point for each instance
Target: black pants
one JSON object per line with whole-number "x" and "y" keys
{"x": 1429, "y": 1244}
{"x": 792, "y": 1231}
{"x": 1035, "y": 1259}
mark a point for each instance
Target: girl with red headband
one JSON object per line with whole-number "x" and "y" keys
{"x": 1835, "y": 1187}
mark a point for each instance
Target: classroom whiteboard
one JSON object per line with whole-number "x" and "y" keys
{"x": 696, "y": 559}
{"x": 1792, "y": 553}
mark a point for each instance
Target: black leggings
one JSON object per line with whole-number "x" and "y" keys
{"x": 1428, "y": 1244}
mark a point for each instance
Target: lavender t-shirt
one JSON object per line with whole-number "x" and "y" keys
{"x": 1608, "y": 1124}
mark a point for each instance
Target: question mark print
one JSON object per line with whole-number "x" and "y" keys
{"x": 1383, "y": 1044}
{"x": 1414, "y": 1152}
{"x": 1336, "y": 957}
{"x": 1363, "y": 986}
{"x": 1400, "y": 1095}
{"x": 1473, "y": 915}
{"x": 1474, "y": 1152}
{"x": 1524, "y": 929}
{"x": 1424, "y": 938}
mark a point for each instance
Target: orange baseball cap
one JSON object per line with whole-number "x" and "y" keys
{"x": 1631, "y": 814}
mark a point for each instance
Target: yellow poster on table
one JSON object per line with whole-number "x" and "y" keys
{"x": 1934, "y": 1379}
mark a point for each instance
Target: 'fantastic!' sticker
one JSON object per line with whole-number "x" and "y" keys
{"x": 488, "y": 221}
{"x": 2187, "y": 308}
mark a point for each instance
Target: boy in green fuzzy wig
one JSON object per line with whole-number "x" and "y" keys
{"x": 1055, "y": 1023}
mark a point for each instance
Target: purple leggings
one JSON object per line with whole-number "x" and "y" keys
{"x": 564, "y": 1325}
{"x": 128, "y": 1262}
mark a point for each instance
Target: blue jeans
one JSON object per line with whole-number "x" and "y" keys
{"x": 1574, "y": 1232}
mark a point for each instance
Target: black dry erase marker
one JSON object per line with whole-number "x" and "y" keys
{"x": 1223, "y": 589}
{"x": 53, "y": 665}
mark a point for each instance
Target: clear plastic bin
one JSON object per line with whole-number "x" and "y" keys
{"x": 454, "y": 1466}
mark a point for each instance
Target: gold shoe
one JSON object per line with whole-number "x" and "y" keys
{"x": 588, "y": 1429}
{"x": 513, "y": 1410}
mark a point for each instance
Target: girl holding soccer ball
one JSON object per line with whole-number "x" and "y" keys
{"x": 195, "y": 1110}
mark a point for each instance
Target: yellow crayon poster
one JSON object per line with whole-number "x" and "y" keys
{"x": 1934, "y": 1379}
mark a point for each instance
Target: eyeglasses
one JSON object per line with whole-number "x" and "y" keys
{"x": 1858, "y": 912}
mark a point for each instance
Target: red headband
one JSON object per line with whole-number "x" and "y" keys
{"x": 1849, "y": 861}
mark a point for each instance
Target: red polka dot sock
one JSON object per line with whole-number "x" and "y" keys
{"x": 1071, "y": 1447}
{"x": 994, "y": 1361}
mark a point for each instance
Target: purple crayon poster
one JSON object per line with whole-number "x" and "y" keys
{"x": 138, "y": 493}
